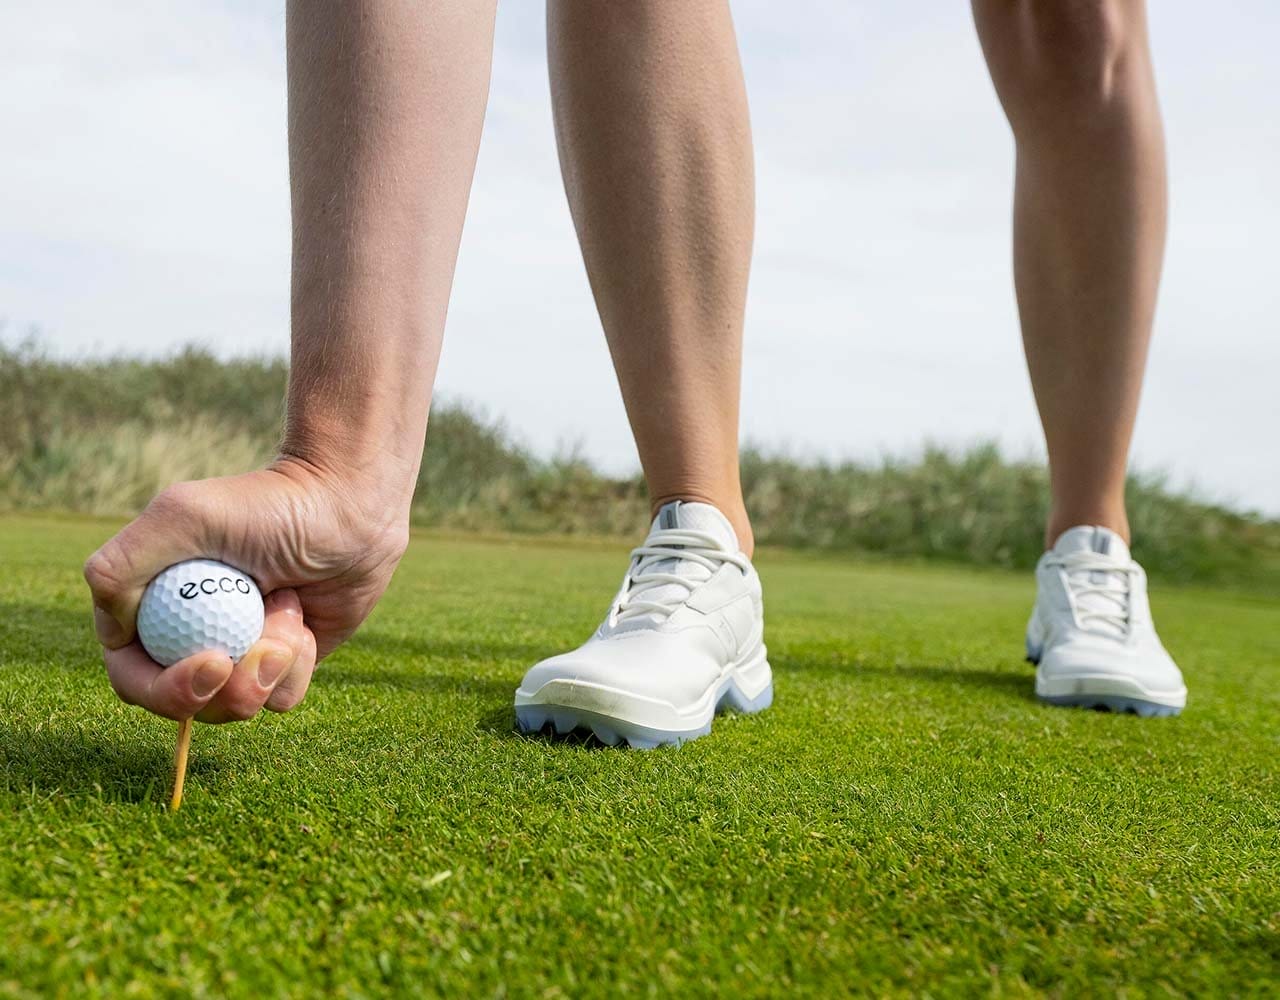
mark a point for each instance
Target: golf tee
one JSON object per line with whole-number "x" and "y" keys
{"x": 180, "y": 763}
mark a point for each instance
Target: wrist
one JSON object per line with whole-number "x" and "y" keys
{"x": 371, "y": 478}
{"x": 366, "y": 431}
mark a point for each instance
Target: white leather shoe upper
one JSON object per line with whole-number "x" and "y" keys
{"x": 687, "y": 621}
{"x": 1091, "y": 633}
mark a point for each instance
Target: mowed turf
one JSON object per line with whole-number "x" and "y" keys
{"x": 905, "y": 819}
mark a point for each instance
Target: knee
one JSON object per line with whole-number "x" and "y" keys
{"x": 1065, "y": 55}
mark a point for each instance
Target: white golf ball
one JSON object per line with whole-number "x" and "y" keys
{"x": 199, "y": 605}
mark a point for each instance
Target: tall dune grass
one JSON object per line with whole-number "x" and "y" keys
{"x": 102, "y": 435}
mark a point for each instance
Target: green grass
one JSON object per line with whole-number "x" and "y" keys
{"x": 906, "y": 819}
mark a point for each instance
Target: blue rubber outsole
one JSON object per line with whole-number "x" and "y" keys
{"x": 561, "y": 720}
{"x": 1112, "y": 703}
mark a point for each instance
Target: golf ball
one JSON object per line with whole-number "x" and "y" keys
{"x": 198, "y": 605}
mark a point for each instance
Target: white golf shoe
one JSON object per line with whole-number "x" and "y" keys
{"x": 684, "y": 638}
{"x": 1091, "y": 635}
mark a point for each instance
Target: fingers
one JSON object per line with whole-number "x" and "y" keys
{"x": 165, "y": 533}
{"x": 292, "y": 688}
{"x": 207, "y": 518}
{"x": 275, "y": 673}
{"x": 177, "y": 692}
{"x": 267, "y": 664}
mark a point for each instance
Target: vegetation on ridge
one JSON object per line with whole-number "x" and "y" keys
{"x": 103, "y": 435}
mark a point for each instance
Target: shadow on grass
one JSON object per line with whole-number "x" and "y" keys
{"x": 1017, "y": 684}
{"x": 46, "y": 632}
{"x": 80, "y": 763}
{"x": 433, "y": 648}
{"x": 341, "y": 675}
{"x": 75, "y": 762}
{"x": 508, "y": 659}
{"x": 501, "y": 722}
{"x": 433, "y": 665}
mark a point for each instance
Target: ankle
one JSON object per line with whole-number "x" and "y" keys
{"x": 732, "y": 508}
{"x": 1063, "y": 518}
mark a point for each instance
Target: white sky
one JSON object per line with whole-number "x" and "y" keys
{"x": 143, "y": 204}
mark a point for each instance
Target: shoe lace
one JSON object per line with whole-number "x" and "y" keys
{"x": 673, "y": 546}
{"x": 1092, "y": 575}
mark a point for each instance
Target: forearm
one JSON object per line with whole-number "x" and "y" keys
{"x": 386, "y": 102}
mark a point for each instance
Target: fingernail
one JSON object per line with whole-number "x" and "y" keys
{"x": 280, "y": 606}
{"x": 210, "y": 677}
{"x": 273, "y": 664}
{"x": 110, "y": 633}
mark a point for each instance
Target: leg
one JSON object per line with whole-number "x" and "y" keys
{"x": 1075, "y": 80}
{"x": 651, "y": 121}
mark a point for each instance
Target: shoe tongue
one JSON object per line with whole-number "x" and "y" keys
{"x": 1104, "y": 542}
{"x": 1088, "y": 538}
{"x": 690, "y": 516}
{"x": 696, "y": 517}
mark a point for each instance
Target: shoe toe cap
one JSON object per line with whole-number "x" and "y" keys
{"x": 565, "y": 666}
{"x": 1147, "y": 666}
{"x": 638, "y": 668}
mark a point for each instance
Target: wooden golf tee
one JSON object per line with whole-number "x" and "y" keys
{"x": 180, "y": 763}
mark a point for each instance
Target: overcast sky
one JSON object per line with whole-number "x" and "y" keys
{"x": 143, "y": 205}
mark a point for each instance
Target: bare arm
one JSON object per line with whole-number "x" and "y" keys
{"x": 386, "y": 101}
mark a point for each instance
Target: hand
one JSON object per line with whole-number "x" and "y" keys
{"x": 320, "y": 550}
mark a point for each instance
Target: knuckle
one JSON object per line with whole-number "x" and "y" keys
{"x": 121, "y": 692}
{"x": 241, "y": 709}
{"x": 283, "y": 631}
{"x": 382, "y": 546}
{"x": 101, "y": 571}
{"x": 176, "y": 500}
{"x": 396, "y": 541}
{"x": 285, "y": 701}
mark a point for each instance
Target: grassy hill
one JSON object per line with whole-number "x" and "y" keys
{"x": 102, "y": 436}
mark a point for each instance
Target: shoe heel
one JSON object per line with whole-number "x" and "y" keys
{"x": 739, "y": 702}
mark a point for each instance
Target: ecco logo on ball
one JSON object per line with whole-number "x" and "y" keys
{"x": 210, "y": 585}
